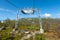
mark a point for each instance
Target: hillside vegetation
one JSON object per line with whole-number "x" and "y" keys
{"x": 51, "y": 28}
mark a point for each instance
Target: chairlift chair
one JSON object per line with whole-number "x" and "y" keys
{"x": 27, "y": 11}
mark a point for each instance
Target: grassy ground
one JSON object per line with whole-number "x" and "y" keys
{"x": 6, "y": 35}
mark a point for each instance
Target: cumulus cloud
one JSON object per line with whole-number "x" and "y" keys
{"x": 47, "y": 15}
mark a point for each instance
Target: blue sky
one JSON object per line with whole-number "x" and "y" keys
{"x": 47, "y": 8}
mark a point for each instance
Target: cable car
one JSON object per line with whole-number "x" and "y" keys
{"x": 27, "y": 11}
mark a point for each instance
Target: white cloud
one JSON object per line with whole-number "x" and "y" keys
{"x": 58, "y": 14}
{"x": 47, "y": 15}
{"x": 7, "y": 10}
